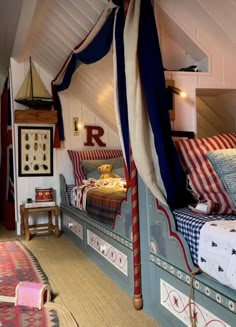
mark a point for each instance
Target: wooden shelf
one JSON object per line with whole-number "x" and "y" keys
{"x": 33, "y": 116}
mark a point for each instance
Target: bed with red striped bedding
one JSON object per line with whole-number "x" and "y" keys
{"x": 102, "y": 201}
{"x": 77, "y": 157}
{"x": 204, "y": 182}
{"x": 208, "y": 225}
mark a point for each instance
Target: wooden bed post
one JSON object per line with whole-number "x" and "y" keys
{"x": 137, "y": 296}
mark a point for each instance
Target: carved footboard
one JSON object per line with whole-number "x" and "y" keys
{"x": 171, "y": 266}
{"x": 63, "y": 190}
{"x": 110, "y": 249}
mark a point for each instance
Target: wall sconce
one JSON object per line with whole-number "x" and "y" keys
{"x": 76, "y": 126}
{"x": 170, "y": 91}
{"x": 177, "y": 91}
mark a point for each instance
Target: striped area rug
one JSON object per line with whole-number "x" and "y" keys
{"x": 18, "y": 264}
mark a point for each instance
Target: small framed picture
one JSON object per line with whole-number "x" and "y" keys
{"x": 35, "y": 151}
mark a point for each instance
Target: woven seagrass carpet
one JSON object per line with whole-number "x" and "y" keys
{"x": 80, "y": 287}
{"x": 18, "y": 264}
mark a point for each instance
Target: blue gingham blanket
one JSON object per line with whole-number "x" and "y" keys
{"x": 189, "y": 224}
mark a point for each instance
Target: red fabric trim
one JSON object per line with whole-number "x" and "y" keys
{"x": 7, "y": 210}
{"x": 9, "y": 137}
{"x": 56, "y": 141}
{"x": 174, "y": 234}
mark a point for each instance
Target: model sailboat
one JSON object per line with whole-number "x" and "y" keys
{"x": 33, "y": 92}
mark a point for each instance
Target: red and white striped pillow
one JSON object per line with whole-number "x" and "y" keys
{"x": 77, "y": 156}
{"x": 203, "y": 180}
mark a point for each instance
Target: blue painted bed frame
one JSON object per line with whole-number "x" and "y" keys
{"x": 166, "y": 276}
{"x": 166, "y": 263}
{"x": 110, "y": 249}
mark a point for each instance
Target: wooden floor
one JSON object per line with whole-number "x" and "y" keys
{"x": 7, "y": 235}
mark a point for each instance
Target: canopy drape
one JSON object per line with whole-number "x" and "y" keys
{"x": 93, "y": 48}
{"x": 139, "y": 94}
{"x": 7, "y": 208}
{"x": 150, "y": 129}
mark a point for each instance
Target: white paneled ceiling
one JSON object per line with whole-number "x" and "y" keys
{"x": 93, "y": 85}
{"x": 200, "y": 20}
{"x": 48, "y": 30}
{"x": 223, "y": 13}
{"x": 52, "y": 28}
{"x": 9, "y": 15}
{"x": 57, "y": 26}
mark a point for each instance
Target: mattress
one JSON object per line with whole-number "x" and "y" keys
{"x": 190, "y": 224}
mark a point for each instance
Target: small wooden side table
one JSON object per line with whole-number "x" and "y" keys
{"x": 49, "y": 227}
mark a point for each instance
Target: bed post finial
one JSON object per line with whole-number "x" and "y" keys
{"x": 138, "y": 301}
{"x": 137, "y": 296}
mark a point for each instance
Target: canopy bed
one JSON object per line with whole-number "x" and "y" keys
{"x": 96, "y": 213}
{"x": 192, "y": 249}
{"x": 168, "y": 266}
{"x": 109, "y": 28}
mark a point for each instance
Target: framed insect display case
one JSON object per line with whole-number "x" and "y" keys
{"x": 35, "y": 151}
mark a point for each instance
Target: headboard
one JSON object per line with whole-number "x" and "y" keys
{"x": 182, "y": 134}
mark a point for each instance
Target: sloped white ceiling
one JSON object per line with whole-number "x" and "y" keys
{"x": 171, "y": 32}
{"x": 49, "y": 30}
{"x": 209, "y": 24}
{"x": 9, "y": 15}
{"x": 57, "y": 26}
{"x": 215, "y": 111}
{"x": 224, "y": 15}
{"x": 93, "y": 85}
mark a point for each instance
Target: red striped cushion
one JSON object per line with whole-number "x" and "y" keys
{"x": 203, "y": 180}
{"x": 77, "y": 156}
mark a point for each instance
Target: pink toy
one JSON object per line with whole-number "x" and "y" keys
{"x": 29, "y": 294}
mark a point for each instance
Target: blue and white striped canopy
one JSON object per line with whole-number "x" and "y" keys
{"x": 140, "y": 96}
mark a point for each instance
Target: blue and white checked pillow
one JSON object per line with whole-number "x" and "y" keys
{"x": 224, "y": 164}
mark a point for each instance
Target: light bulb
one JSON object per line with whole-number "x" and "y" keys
{"x": 183, "y": 94}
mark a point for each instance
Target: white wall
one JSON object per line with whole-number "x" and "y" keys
{"x": 212, "y": 30}
{"x": 209, "y": 35}
{"x": 25, "y": 186}
{"x": 200, "y": 28}
{"x": 72, "y": 107}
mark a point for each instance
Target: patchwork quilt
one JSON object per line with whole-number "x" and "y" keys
{"x": 101, "y": 199}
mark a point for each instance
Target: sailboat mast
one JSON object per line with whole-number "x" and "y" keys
{"x": 31, "y": 80}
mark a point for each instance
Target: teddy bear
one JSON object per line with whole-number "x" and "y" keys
{"x": 106, "y": 171}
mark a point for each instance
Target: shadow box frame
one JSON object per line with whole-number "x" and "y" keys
{"x": 35, "y": 151}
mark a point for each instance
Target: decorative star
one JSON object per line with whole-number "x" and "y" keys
{"x": 176, "y": 301}
{"x": 195, "y": 315}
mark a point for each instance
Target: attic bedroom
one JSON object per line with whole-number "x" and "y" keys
{"x": 117, "y": 193}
